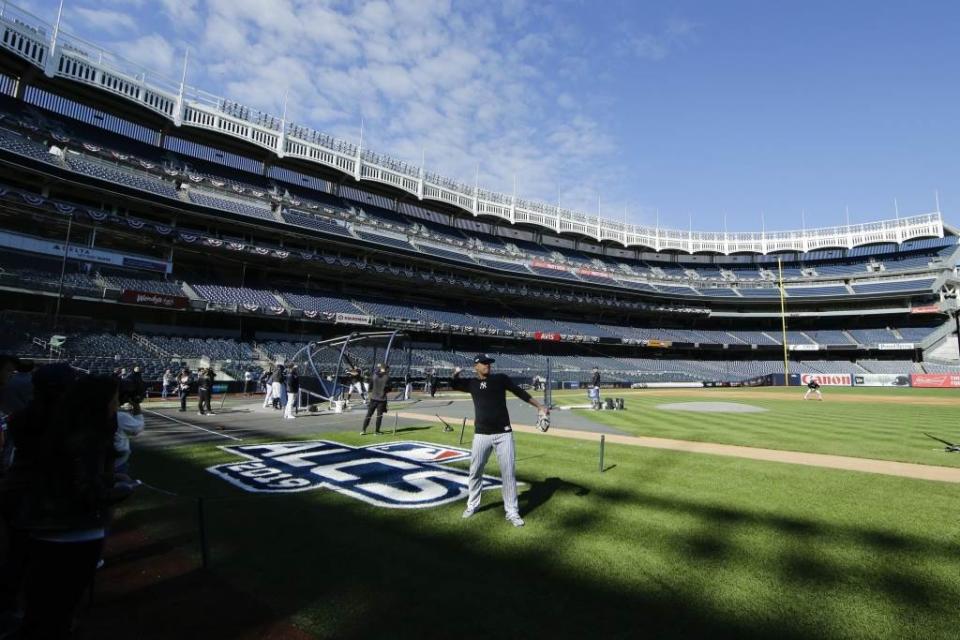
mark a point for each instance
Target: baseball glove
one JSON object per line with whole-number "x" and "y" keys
{"x": 543, "y": 422}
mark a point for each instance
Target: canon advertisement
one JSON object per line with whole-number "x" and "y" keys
{"x": 828, "y": 379}
{"x": 935, "y": 380}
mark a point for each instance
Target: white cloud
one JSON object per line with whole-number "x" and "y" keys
{"x": 154, "y": 52}
{"x": 468, "y": 85}
{"x": 105, "y": 20}
{"x": 674, "y": 36}
{"x": 183, "y": 14}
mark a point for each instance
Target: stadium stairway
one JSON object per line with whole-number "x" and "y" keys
{"x": 145, "y": 342}
{"x": 283, "y": 301}
{"x": 263, "y": 353}
{"x": 191, "y": 292}
{"x": 932, "y": 339}
{"x": 944, "y": 351}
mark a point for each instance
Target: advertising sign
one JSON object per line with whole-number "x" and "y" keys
{"x": 662, "y": 344}
{"x": 828, "y": 379}
{"x": 546, "y": 265}
{"x": 894, "y": 346}
{"x": 154, "y": 299}
{"x": 81, "y": 252}
{"x": 543, "y": 335}
{"x": 927, "y": 308}
{"x": 352, "y": 318}
{"x": 935, "y": 380}
{"x": 881, "y": 380}
{"x": 595, "y": 274}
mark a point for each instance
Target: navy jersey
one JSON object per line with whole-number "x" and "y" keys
{"x": 490, "y": 400}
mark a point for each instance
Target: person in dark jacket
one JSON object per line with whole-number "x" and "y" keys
{"x": 8, "y": 365}
{"x": 278, "y": 384}
{"x": 18, "y": 389}
{"x": 204, "y": 389}
{"x": 492, "y": 431}
{"x": 432, "y": 383}
{"x": 293, "y": 393}
{"x": 26, "y": 435}
{"x": 65, "y": 512}
{"x": 377, "y": 397}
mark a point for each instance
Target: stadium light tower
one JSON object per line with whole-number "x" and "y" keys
{"x": 956, "y": 320}
{"x": 783, "y": 324}
{"x": 63, "y": 270}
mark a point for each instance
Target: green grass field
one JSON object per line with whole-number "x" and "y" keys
{"x": 887, "y": 424}
{"x": 662, "y": 544}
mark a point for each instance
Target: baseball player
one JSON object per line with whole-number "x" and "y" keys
{"x": 355, "y": 376}
{"x": 813, "y": 387}
{"x": 379, "y": 387}
{"x": 492, "y": 431}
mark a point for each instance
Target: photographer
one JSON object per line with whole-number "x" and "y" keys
{"x": 204, "y": 389}
{"x": 183, "y": 387}
{"x": 129, "y": 424}
{"x": 168, "y": 381}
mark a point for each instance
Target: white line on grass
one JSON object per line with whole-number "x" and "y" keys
{"x": 187, "y": 424}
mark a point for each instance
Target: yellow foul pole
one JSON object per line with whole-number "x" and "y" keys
{"x": 783, "y": 324}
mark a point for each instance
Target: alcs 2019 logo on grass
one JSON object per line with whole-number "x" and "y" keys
{"x": 396, "y": 475}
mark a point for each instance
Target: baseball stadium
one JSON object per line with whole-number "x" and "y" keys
{"x": 717, "y": 434}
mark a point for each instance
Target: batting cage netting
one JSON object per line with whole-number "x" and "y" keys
{"x": 339, "y": 369}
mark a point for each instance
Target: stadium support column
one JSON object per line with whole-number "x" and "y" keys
{"x": 783, "y": 325}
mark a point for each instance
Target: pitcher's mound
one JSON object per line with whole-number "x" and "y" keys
{"x": 711, "y": 407}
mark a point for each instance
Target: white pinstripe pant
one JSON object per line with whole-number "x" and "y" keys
{"x": 502, "y": 444}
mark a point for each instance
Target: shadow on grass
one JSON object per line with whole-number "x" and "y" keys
{"x": 346, "y": 570}
{"x": 408, "y": 429}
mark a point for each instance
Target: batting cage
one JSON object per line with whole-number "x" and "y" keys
{"x": 336, "y": 372}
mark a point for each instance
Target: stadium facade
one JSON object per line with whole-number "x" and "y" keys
{"x": 157, "y": 222}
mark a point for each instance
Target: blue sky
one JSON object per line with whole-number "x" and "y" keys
{"x": 697, "y": 110}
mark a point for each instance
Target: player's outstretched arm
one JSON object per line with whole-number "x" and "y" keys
{"x": 457, "y": 383}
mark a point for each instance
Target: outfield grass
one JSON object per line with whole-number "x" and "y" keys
{"x": 663, "y": 544}
{"x": 845, "y": 423}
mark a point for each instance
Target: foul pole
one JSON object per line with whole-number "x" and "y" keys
{"x": 783, "y": 325}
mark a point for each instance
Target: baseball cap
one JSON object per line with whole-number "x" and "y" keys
{"x": 482, "y": 358}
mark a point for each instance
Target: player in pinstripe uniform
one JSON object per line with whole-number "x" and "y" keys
{"x": 492, "y": 431}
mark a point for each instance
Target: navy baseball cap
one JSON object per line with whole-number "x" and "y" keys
{"x": 482, "y": 358}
